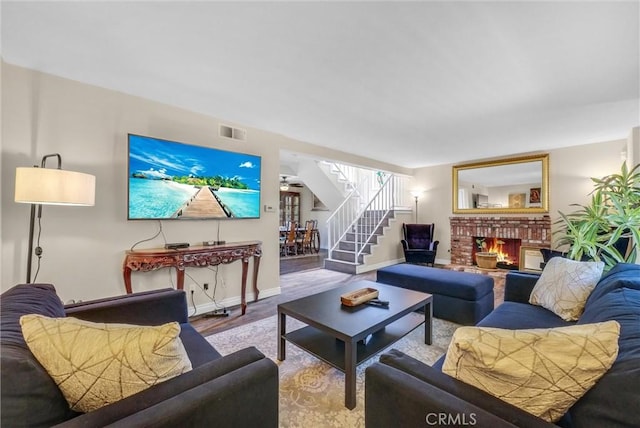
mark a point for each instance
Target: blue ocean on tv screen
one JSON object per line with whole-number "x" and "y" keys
{"x": 157, "y": 198}
{"x": 242, "y": 203}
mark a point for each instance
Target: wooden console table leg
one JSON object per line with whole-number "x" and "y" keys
{"x": 243, "y": 292}
{"x": 256, "y": 267}
{"x": 126, "y": 271}
{"x": 180, "y": 278}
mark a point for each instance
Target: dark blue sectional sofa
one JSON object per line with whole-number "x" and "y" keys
{"x": 237, "y": 390}
{"x": 401, "y": 391}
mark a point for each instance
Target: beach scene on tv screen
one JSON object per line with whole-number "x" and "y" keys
{"x": 171, "y": 180}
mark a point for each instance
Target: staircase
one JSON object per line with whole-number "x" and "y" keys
{"x": 343, "y": 258}
{"x": 345, "y": 177}
{"x": 359, "y": 222}
{"x": 363, "y": 203}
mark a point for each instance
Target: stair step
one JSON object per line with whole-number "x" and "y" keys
{"x": 351, "y": 237}
{"x": 366, "y": 230}
{"x": 374, "y": 220}
{"x": 340, "y": 266}
{"x": 351, "y": 246}
{"x": 346, "y": 256}
{"x": 377, "y": 214}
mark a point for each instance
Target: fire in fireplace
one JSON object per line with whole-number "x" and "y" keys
{"x": 507, "y": 249}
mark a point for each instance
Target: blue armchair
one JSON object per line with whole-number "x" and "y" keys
{"x": 418, "y": 244}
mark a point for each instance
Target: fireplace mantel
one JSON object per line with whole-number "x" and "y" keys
{"x": 533, "y": 231}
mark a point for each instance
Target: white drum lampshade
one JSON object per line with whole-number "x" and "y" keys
{"x": 47, "y": 186}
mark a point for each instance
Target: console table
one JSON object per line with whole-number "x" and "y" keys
{"x": 146, "y": 260}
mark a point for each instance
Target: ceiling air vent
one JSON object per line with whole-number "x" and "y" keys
{"x": 233, "y": 133}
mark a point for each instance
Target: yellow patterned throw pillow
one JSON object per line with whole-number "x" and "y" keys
{"x": 565, "y": 286}
{"x": 541, "y": 371}
{"x": 96, "y": 364}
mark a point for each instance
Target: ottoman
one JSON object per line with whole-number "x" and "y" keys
{"x": 462, "y": 297}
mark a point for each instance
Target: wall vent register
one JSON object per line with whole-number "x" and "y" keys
{"x": 233, "y": 133}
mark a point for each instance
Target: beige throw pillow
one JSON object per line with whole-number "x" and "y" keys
{"x": 541, "y": 371}
{"x": 96, "y": 364}
{"x": 565, "y": 286}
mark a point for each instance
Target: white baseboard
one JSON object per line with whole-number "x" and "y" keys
{"x": 367, "y": 268}
{"x": 230, "y": 301}
{"x": 443, "y": 261}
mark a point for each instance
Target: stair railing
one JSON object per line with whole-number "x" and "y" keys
{"x": 338, "y": 224}
{"x": 361, "y": 219}
{"x": 372, "y": 217}
{"x": 347, "y": 173}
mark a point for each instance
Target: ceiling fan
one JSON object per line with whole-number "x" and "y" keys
{"x": 284, "y": 184}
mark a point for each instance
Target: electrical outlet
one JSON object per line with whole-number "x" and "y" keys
{"x": 206, "y": 286}
{"x": 192, "y": 288}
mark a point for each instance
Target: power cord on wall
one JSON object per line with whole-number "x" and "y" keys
{"x": 215, "y": 287}
{"x": 38, "y": 249}
{"x": 220, "y": 310}
{"x": 193, "y": 303}
{"x": 160, "y": 231}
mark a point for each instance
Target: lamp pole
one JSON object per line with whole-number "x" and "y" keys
{"x": 49, "y": 186}
{"x": 32, "y": 217}
{"x": 416, "y": 194}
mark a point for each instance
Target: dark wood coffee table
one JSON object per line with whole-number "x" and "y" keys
{"x": 363, "y": 330}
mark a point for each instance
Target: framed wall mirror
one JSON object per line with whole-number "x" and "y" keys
{"x": 511, "y": 185}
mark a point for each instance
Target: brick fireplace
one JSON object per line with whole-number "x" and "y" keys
{"x": 530, "y": 231}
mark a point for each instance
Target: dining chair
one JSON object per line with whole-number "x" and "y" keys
{"x": 290, "y": 243}
{"x": 307, "y": 238}
{"x": 315, "y": 237}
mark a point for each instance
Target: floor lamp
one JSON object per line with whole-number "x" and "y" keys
{"x": 416, "y": 194}
{"x": 47, "y": 186}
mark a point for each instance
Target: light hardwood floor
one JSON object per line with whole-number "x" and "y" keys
{"x": 293, "y": 286}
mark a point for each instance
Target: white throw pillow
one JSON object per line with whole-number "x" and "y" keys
{"x": 565, "y": 286}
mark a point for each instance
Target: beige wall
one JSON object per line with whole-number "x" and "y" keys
{"x": 1, "y": 191}
{"x": 84, "y": 246}
{"x": 570, "y": 170}
{"x": 434, "y": 205}
{"x": 633, "y": 147}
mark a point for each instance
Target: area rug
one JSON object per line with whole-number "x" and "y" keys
{"x": 311, "y": 391}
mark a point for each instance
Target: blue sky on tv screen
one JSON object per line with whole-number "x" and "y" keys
{"x": 165, "y": 159}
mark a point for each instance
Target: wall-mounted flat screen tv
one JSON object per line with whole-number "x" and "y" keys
{"x": 171, "y": 180}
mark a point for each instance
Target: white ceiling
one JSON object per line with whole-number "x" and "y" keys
{"x": 412, "y": 84}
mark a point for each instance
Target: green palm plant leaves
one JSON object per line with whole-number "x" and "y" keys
{"x": 598, "y": 231}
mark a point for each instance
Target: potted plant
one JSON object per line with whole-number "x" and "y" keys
{"x": 607, "y": 229}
